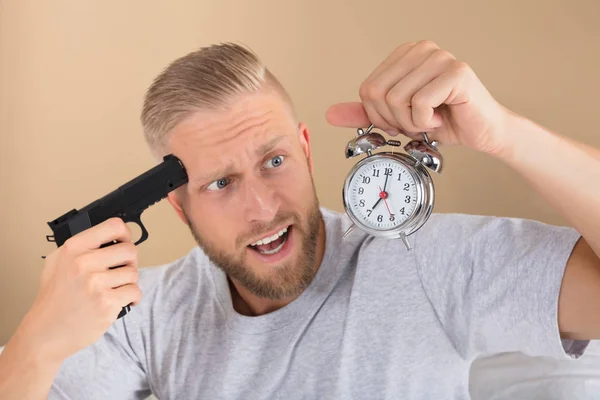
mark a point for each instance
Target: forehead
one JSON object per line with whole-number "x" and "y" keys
{"x": 211, "y": 139}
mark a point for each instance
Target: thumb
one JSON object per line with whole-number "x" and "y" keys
{"x": 349, "y": 115}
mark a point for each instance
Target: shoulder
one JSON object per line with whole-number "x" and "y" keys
{"x": 450, "y": 227}
{"x": 172, "y": 273}
{"x": 465, "y": 239}
{"x": 175, "y": 282}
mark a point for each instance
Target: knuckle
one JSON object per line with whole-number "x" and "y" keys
{"x": 70, "y": 245}
{"x": 371, "y": 91}
{"x": 462, "y": 68}
{"x": 363, "y": 90}
{"x": 442, "y": 55}
{"x": 419, "y": 100}
{"x": 427, "y": 44}
{"x": 395, "y": 98}
{"x": 80, "y": 265}
{"x": 131, "y": 251}
{"x": 134, "y": 274}
{"x": 120, "y": 226}
{"x": 401, "y": 48}
{"x": 93, "y": 284}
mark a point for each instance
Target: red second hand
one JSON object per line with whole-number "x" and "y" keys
{"x": 383, "y": 195}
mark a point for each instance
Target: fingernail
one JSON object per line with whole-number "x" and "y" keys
{"x": 392, "y": 132}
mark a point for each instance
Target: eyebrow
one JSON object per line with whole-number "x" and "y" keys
{"x": 222, "y": 172}
{"x": 270, "y": 145}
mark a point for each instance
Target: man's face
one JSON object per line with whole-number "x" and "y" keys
{"x": 250, "y": 202}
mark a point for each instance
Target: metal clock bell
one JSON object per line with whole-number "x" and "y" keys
{"x": 389, "y": 194}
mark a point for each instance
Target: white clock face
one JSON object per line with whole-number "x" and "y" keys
{"x": 382, "y": 194}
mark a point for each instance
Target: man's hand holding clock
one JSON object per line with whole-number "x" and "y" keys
{"x": 425, "y": 93}
{"x": 422, "y": 88}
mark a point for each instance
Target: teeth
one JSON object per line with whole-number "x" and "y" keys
{"x": 275, "y": 250}
{"x": 269, "y": 239}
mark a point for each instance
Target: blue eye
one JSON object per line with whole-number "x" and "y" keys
{"x": 218, "y": 184}
{"x": 275, "y": 162}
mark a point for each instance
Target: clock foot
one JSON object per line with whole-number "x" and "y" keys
{"x": 348, "y": 231}
{"x": 404, "y": 239}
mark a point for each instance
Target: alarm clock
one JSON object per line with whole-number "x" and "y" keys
{"x": 390, "y": 194}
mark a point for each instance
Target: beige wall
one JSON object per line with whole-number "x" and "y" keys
{"x": 73, "y": 74}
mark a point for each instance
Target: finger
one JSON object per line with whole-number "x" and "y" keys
{"x": 394, "y": 56}
{"x": 117, "y": 277}
{"x": 113, "y": 229}
{"x": 400, "y": 97}
{"x": 375, "y": 89}
{"x": 406, "y": 58}
{"x": 441, "y": 90}
{"x": 124, "y": 253}
{"x": 127, "y": 294}
{"x": 348, "y": 115}
{"x": 381, "y": 117}
{"x": 351, "y": 115}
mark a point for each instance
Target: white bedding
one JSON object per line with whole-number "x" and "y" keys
{"x": 516, "y": 376}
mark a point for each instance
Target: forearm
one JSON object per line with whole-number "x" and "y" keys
{"x": 565, "y": 172}
{"x": 24, "y": 373}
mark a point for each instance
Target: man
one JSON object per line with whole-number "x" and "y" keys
{"x": 273, "y": 303}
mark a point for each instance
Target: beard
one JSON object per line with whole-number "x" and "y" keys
{"x": 285, "y": 280}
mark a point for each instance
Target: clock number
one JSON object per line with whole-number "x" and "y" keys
{"x": 402, "y": 211}
{"x": 366, "y": 180}
{"x": 379, "y": 218}
{"x": 369, "y": 213}
{"x": 399, "y": 175}
{"x": 361, "y": 190}
{"x": 392, "y": 217}
{"x": 406, "y": 186}
{"x": 362, "y": 202}
{"x": 376, "y": 173}
{"x": 388, "y": 172}
{"x": 407, "y": 199}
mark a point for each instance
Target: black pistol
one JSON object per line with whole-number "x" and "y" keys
{"x": 128, "y": 202}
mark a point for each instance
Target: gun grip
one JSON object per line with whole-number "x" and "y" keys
{"x": 137, "y": 219}
{"x": 126, "y": 308}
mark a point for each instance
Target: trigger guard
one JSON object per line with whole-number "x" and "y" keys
{"x": 144, "y": 236}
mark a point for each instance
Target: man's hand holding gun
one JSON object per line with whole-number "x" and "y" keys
{"x": 88, "y": 282}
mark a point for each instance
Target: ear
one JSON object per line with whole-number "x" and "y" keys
{"x": 176, "y": 204}
{"x": 304, "y": 136}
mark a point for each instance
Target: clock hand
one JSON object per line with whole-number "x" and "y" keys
{"x": 383, "y": 195}
{"x": 385, "y": 184}
{"x": 386, "y": 206}
{"x": 375, "y": 205}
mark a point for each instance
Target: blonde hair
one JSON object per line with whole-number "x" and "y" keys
{"x": 206, "y": 79}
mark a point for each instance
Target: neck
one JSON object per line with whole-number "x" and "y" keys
{"x": 246, "y": 303}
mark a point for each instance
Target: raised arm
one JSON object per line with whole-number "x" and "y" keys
{"x": 422, "y": 88}
{"x": 567, "y": 174}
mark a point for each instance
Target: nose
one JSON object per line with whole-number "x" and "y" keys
{"x": 260, "y": 200}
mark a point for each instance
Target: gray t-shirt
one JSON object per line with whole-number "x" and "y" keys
{"x": 376, "y": 322}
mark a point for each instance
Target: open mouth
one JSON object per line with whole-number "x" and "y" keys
{"x": 272, "y": 244}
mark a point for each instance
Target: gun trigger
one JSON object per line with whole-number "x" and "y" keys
{"x": 50, "y": 238}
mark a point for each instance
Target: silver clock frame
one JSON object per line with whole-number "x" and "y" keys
{"x": 421, "y": 154}
{"x": 425, "y": 197}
